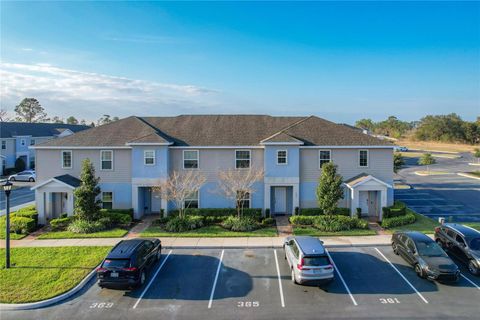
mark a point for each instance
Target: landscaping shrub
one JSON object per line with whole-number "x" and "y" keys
{"x": 302, "y": 220}
{"x": 60, "y": 224}
{"x": 311, "y": 212}
{"x": 338, "y": 223}
{"x": 177, "y": 224}
{"x": 27, "y": 208}
{"x": 408, "y": 218}
{"x": 267, "y": 212}
{"x": 240, "y": 224}
{"x": 160, "y": 221}
{"x": 398, "y": 209}
{"x": 22, "y": 224}
{"x": 27, "y": 214}
{"x": 84, "y": 226}
{"x": 297, "y": 211}
{"x": 267, "y": 222}
{"x": 247, "y": 212}
{"x": 122, "y": 211}
{"x": 209, "y": 220}
{"x": 118, "y": 218}
{"x": 342, "y": 211}
{"x": 20, "y": 165}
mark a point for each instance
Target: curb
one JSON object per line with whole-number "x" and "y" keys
{"x": 48, "y": 302}
{"x": 466, "y": 175}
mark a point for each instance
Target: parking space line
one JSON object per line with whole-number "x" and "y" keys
{"x": 279, "y": 280}
{"x": 403, "y": 277}
{"x": 216, "y": 279}
{"x": 151, "y": 280}
{"x": 473, "y": 283}
{"x": 341, "y": 278}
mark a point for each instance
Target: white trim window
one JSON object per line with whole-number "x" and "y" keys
{"x": 191, "y": 201}
{"x": 282, "y": 157}
{"x": 149, "y": 157}
{"x": 190, "y": 159}
{"x": 242, "y": 159}
{"x": 106, "y": 159}
{"x": 67, "y": 159}
{"x": 107, "y": 200}
{"x": 363, "y": 158}
{"x": 324, "y": 156}
{"x": 245, "y": 202}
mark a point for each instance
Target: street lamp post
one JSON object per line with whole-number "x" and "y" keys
{"x": 7, "y": 187}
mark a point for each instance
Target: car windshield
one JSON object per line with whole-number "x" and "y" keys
{"x": 318, "y": 261}
{"x": 24, "y": 172}
{"x": 475, "y": 244}
{"x": 116, "y": 263}
{"x": 429, "y": 249}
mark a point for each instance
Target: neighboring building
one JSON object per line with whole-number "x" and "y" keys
{"x": 17, "y": 137}
{"x": 134, "y": 154}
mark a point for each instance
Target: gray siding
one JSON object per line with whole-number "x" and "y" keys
{"x": 380, "y": 164}
{"x": 48, "y": 164}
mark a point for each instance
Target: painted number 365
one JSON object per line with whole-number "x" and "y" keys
{"x": 248, "y": 304}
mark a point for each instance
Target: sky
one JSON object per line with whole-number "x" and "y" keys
{"x": 338, "y": 60}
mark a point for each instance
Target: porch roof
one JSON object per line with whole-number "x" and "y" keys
{"x": 363, "y": 178}
{"x": 65, "y": 179}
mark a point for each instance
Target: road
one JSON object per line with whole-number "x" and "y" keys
{"x": 451, "y": 196}
{"x": 20, "y": 195}
{"x": 371, "y": 282}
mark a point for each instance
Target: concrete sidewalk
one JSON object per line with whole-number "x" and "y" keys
{"x": 240, "y": 242}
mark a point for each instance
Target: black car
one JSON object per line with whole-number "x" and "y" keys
{"x": 428, "y": 258}
{"x": 127, "y": 263}
{"x": 463, "y": 242}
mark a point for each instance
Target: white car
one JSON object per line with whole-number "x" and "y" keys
{"x": 27, "y": 175}
{"x": 400, "y": 149}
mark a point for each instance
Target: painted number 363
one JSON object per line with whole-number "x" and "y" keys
{"x": 248, "y": 304}
{"x": 101, "y": 305}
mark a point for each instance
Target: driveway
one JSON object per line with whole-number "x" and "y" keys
{"x": 451, "y": 196}
{"x": 371, "y": 282}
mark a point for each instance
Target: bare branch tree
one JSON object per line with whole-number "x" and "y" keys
{"x": 180, "y": 186}
{"x": 237, "y": 184}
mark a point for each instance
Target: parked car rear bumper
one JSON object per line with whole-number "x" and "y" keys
{"x": 118, "y": 284}
{"x": 315, "y": 278}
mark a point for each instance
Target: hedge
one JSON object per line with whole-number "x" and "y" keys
{"x": 22, "y": 224}
{"x": 248, "y": 212}
{"x": 123, "y": 211}
{"x": 60, "y": 224}
{"x": 398, "y": 209}
{"x": 408, "y": 218}
{"x": 318, "y": 211}
{"x": 302, "y": 220}
{"x": 118, "y": 218}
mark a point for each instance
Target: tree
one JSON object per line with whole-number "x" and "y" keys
{"x": 87, "y": 206}
{"x": 426, "y": 160}
{"x": 72, "y": 120}
{"x": 365, "y": 124}
{"x": 115, "y": 118}
{"x": 329, "y": 190}
{"x": 180, "y": 186}
{"x": 398, "y": 161}
{"x": 238, "y": 185}
{"x": 445, "y": 128}
{"x": 476, "y": 154}
{"x": 471, "y": 132}
{"x": 20, "y": 165}
{"x": 30, "y": 110}
{"x": 105, "y": 119}
{"x": 56, "y": 119}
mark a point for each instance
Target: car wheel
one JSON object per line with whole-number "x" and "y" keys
{"x": 472, "y": 268}
{"x": 394, "y": 247}
{"x": 31, "y": 180}
{"x": 294, "y": 280}
{"x": 12, "y": 179}
{"x": 419, "y": 271}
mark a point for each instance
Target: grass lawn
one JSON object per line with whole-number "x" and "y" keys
{"x": 311, "y": 231}
{"x": 208, "y": 232}
{"x": 113, "y": 233}
{"x": 13, "y": 236}
{"x": 475, "y": 173}
{"x": 41, "y": 273}
{"x": 435, "y": 146}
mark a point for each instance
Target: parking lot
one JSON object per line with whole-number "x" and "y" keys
{"x": 371, "y": 282}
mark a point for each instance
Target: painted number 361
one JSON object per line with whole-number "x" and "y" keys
{"x": 389, "y": 300}
{"x": 248, "y": 304}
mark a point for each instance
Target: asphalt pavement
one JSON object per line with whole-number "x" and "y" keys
{"x": 18, "y": 196}
{"x": 370, "y": 283}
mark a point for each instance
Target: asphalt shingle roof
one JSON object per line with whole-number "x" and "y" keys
{"x": 11, "y": 129}
{"x": 219, "y": 130}
{"x": 70, "y": 180}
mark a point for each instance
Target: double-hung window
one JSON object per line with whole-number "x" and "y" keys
{"x": 149, "y": 157}
{"x": 243, "y": 199}
{"x": 325, "y": 156}
{"x": 190, "y": 159}
{"x": 192, "y": 200}
{"x": 106, "y": 159}
{"x": 242, "y": 159}
{"x": 107, "y": 200}
{"x": 281, "y": 157}
{"x": 363, "y": 158}
{"x": 67, "y": 159}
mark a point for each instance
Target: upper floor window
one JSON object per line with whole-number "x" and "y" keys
{"x": 325, "y": 156}
{"x": 243, "y": 199}
{"x": 191, "y": 201}
{"x": 190, "y": 159}
{"x": 67, "y": 159}
{"x": 149, "y": 157}
{"x": 242, "y": 159}
{"x": 4, "y": 144}
{"x": 32, "y": 142}
{"x": 107, "y": 200}
{"x": 363, "y": 158}
{"x": 281, "y": 156}
{"x": 23, "y": 142}
{"x": 106, "y": 159}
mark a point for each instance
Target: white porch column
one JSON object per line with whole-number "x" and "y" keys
{"x": 296, "y": 197}
{"x": 136, "y": 213}
{"x": 383, "y": 202}
{"x": 266, "y": 198}
{"x": 40, "y": 205}
{"x": 70, "y": 203}
{"x": 354, "y": 204}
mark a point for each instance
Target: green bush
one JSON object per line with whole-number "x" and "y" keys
{"x": 27, "y": 208}
{"x": 408, "y": 218}
{"x": 160, "y": 221}
{"x": 118, "y": 218}
{"x": 122, "y": 211}
{"x": 338, "y": 223}
{"x": 398, "y": 209}
{"x": 311, "y": 212}
{"x": 342, "y": 211}
{"x": 209, "y": 220}
{"x": 267, "y": 222}
{"x": 22, "y": 224}
{"x": 267, "y": 212}
{"x": 302, "y": 220}
{"x": 247, "y": 212}
{"x": 60, "y": 224}
{"x": 177, "y": 224}
{"x": 240, "y": 224}
{"x": 297, "y": 211}
{"x": 85, "y": 226}
{"x": 32, "y": 214}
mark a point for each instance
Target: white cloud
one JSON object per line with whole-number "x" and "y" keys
{"x": 92, "y": 94}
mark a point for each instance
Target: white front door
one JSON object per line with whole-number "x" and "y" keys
{"x": 280, "y": 200}
{"x": 363, "y": 201}
{"x": 156, "y": 201}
